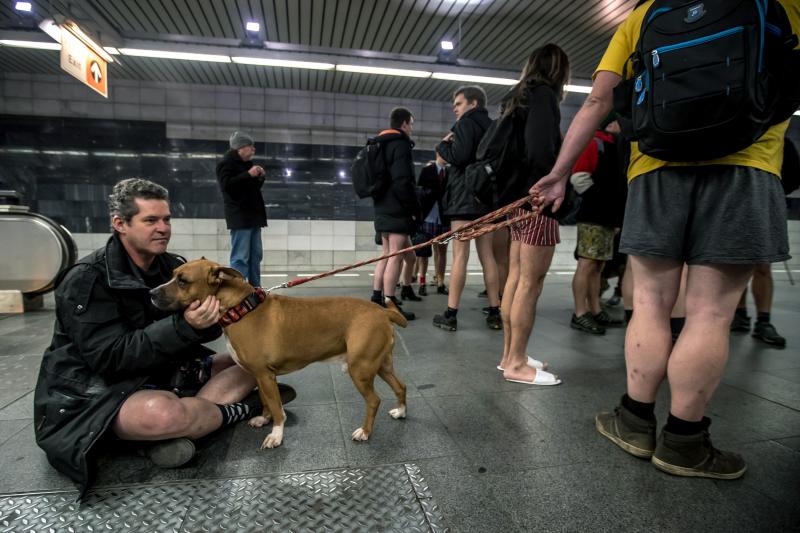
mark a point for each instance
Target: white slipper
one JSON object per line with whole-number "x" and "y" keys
{"x": 533, "y": 363}
{"x": 541, "y": 378}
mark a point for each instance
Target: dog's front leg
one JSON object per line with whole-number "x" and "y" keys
{"x": 271, "y": 400}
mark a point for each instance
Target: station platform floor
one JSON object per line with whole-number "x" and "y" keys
{"x": 476, "y": 453}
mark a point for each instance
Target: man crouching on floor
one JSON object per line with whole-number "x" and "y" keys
{"x": 118, "y": 366}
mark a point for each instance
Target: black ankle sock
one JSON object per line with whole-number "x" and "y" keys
{"x": 640, "y": 409}
{"x": 684, "y": 427}
{"x": 676, "y": 325}
{"x": 451, "y": 313}
{"x": 741, "y": 312}
{"x": 763, "y": 317}
{"x": 494, "y": 311}
{"x": 234, "y": 412}
{"x": 628, "y": 315}
{"x": 377, "y": 296}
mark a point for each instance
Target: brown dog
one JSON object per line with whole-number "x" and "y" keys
{"x": 284, "y": 334}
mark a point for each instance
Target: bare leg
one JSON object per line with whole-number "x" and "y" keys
{"x": 440, "y": 262}
{"x": 627, "y": 286}
{"x": 458, "y": 271}
{"x": 534, "y": 261}
{"x": 394, "y": 265}
{"x": 699, "y": 357}
{"x": 158, "y": 415}
{"x": 679, "y": 309}
{"x": 582, "y": 284}
{"x": 380, "y": 266}
{"x": 648, "y": 341}
{"x": 501, "y": 241}
{"x": 509, "y": 293}
{"x": 483, "y": 244}
{"x": 762, "y": 287}
{"x": 593, "y": 296}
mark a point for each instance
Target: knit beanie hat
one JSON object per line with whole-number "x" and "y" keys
{"x": 239, "y": 139}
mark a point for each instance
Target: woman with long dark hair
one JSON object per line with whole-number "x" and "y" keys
{"x": 535, "y": 102}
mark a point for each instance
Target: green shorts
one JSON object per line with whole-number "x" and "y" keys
{"x": 595, "y": 242}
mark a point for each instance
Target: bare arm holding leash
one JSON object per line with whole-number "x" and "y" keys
{"x": 551, "y": 188}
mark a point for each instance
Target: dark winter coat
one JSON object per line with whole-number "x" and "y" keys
{"x": 398, "y": 210}
{"x": 432, "y": 190}
{"x": 604, "y": 202}
{"x": 542, "y": 140}
{"x": 460, "y": 152}
{"x": 108, "y": 341}
{"x": 241, "y": 192}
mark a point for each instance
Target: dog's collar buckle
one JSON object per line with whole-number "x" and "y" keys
{"x": 236, "y": 313}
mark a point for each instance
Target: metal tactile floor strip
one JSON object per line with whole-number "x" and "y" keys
{"x": 385, "y": 498}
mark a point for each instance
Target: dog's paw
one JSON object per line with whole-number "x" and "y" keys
{"x": 360, "y": 435}
{"x": 399, "y": 412}
{"x": 273, "y": 440}
{"x": 259, "y": 421}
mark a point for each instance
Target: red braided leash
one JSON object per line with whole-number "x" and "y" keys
{"x": 467, "y": 232}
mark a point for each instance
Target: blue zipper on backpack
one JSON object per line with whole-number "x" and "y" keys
{"x": 694, "y": 42}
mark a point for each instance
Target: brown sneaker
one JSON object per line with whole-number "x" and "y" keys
{"x": 695, "y": 456}
{"x": 635, "y": 435}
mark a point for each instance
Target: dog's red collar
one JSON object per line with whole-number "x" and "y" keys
{"x": 235, "y": 314}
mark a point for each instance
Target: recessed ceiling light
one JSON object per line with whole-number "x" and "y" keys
{"x": 447, "y": 45}
{"x": 578, "y": 89}
{"x": 23, "y": 6}
{"x": 253, "y": 26}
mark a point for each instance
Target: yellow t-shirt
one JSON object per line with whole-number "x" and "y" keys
{"x": 765, "y": 154}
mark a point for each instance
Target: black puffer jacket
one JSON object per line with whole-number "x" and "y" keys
{"x": 108, "y": 341}
{"x": 241, "y": 192}
{"x": 398, "y": 209}
{"x": 432, "y": 190}
{"x": 460, "y": 152}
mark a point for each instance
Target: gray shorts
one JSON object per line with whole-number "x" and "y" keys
{"x": 713, "y": 214}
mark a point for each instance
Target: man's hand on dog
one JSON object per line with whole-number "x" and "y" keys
{"x": 202, "y": 315}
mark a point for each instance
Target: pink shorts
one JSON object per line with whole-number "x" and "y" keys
{"x": 536, "y": 231}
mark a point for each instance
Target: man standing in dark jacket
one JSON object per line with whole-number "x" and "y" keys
{"x": 240, "y": 181}
{"x": 599, "y": 178}
{"x": 117, "y": 364}
{"x": 397, "y": 211}
{"x": 458, "y": 148}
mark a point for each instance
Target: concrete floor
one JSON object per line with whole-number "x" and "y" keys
{"x": 497, "y": 456}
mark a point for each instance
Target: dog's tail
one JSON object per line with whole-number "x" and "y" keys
{"x": 394, "y": 314}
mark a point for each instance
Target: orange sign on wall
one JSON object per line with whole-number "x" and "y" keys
{"x": 83, "y": 63}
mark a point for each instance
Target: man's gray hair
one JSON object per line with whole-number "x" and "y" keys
{"x": 121, "y": 200}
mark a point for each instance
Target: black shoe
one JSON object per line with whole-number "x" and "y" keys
{"x": 407, "y": 293}
{"x": 605, "y": 320}
{"x": 423, "y": 290}
{"x": 614, "y": 300}
{"x": 635, "y": 435}
{"x": 407, "y": 314}
{"x": 485, "y": 310}
{"x": 740, "y": 324}
{"x": 445, "y": 323}
{"x": 695, "y": 456}
{"x": 766, "y": 332}
{"x": 378, "y": 301}
{"x": 483, "y": 294}
{"x": 587, "y": 323}
{"x": 170, "y": 453}
{"x": 441, "y": 289}
{"x": 494, "y": 322}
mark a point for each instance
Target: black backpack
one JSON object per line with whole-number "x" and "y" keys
{"x": 499, "y": 158}
{"x": 371, "y": 178}
{"x": 708, "y": 78}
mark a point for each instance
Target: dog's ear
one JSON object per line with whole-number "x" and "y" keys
{"x": 219, "y": 273}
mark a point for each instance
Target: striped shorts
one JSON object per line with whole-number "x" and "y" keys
{"x": 536, "y": 231}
